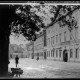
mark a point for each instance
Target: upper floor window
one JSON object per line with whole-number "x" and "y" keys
{"x": 53, "y": 39}
{"x": 60, "y": 37}
{"x": 48, "y": 31}
{"x": 49, "y": 41}
{"x": 70, "y": 36}
{"x": 65, "y": 36}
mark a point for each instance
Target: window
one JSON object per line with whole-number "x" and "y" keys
{"x": 77, "y": 53}
{"x": 56, "y": 53}
{"x": 65, "y": 36}
{"x": 47, "y": 41}
{"x": 53, "y": 52}
{"x": 53, "y": 39}
{"x": 70, "y": 36}
{"x": 60, "y": 52}
{"x": 60, "y": 37}
{"x": 48, "y": 31}
{"x": 49, "y": 53}
{"x": 71, "y": 53}
{"x": 56, "y": 38}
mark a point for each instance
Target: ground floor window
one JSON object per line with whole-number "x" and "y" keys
{"x": 71, "y": 53}
{"x": 77, "y": 53}
{"x": 47, "y": 53}
{"x": 51, "y": 53}
{"x": 56, "y": 53}
{"x": 60, "y": 52}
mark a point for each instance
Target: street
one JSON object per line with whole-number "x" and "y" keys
{"x": 46, "y": 68}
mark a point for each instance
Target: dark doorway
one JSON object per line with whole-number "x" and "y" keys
{"x": 44, "y": 55}
{"x": 65, "y": 55}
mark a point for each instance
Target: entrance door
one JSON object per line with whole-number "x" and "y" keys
{"x": 65, "y": 56}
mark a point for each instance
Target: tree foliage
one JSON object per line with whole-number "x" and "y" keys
{"x": 27, "y": 21}
{"x": 64, "y": 16}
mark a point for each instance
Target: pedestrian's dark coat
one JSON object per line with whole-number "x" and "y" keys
{"x": 16, "y": 59}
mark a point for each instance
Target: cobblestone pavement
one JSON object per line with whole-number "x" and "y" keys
{"x": 47, "y": 68}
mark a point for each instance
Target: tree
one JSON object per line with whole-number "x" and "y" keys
{"x": 8, "y": 17}
{"x": 22, "y": 20}
{"x": 61, "y": 13}
{"x": 4, "y": 39}
{"x": 29, "y": 22}
{"x": 5, "y": 19}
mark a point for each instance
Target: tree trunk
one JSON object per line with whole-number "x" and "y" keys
{"x": 4, "y": 46}
{"x": 4, "y": 39}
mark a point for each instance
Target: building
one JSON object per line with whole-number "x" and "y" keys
{"x": 58, "y": 43}
{"x": 61, "y": 44}
{"x": 14, "y": 50}
{"x": 25, "y": 53}
{"x": 30, "y": 50}
{"x": 39, "y": 46}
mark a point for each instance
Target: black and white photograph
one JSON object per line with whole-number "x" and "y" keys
{"x": 40, "y": 40}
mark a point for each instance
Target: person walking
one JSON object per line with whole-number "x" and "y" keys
{"x": 16, "y": 60}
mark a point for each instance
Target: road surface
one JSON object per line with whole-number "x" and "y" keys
{"x": 46, "y": 68}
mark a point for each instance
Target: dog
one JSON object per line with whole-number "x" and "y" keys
{"x": 16, "y": 71}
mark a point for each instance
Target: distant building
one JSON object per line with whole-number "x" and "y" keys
{"x": 25, "y": 53}
{"x": 30, "y": 51}
{"x": 39, "y": 46}
{"x": 15, "y": 50}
